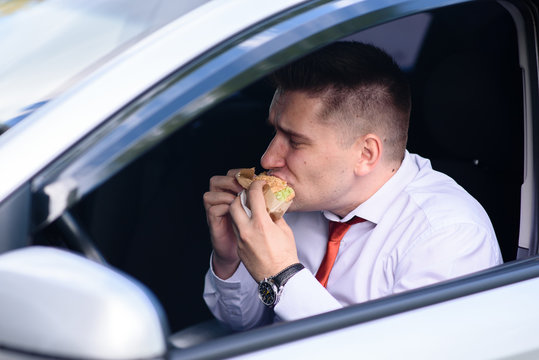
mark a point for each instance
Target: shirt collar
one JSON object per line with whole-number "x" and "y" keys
{"x": 374, "y": 208}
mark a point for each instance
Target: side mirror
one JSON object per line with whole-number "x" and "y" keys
{"x": 59, "y": 304}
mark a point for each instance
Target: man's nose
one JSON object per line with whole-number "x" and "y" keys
{"x": 274, "y": 155}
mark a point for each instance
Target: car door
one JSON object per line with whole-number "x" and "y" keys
{"x": 130, "y": 189}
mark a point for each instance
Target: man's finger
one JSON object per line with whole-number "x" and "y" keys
{"x": 255, "y": 199}
{"x": 225, "y": 183}
{"x": 238, "y": 214}
{"x": 232, "y": 172}
{"x": 284, "y": 226}
{"x": 218, "y": 211}
{"x": 212, "y": 198}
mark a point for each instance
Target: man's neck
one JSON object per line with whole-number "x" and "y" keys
{"x": 367, "y": 186}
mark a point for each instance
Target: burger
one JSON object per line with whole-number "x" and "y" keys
{"x": 277, "y": 194}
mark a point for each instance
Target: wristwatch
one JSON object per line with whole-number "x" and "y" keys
{"x": 270, "y": 289}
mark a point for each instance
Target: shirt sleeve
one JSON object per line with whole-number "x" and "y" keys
{"x": 234, "y": 301}
{"x": 446, "y": 253}
{"x": 304, "y": 296}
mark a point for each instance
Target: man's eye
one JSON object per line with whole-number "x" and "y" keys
{"x": 293, "y": 144}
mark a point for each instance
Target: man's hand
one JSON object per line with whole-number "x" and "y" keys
{"x": 265, "y": 247}
{"x": 223, "y": 191}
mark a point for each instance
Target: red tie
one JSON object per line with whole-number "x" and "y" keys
{"x": 336, "y": 233}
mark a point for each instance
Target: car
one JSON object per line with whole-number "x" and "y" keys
{"x": 115, "y": 114}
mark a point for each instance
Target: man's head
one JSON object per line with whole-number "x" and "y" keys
{"x": 362, "y": 90}
{"x": 341, "y": 119}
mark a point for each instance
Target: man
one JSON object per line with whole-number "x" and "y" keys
{"x": 341, "y": 119}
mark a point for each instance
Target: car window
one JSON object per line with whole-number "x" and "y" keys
{"x": 52, "y": 43}
{"x": 148, "y": 218}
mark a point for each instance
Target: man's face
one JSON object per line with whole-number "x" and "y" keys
{"x": 309, "y": 155}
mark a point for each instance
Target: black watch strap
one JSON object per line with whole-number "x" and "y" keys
{"x": 281, "y": 278}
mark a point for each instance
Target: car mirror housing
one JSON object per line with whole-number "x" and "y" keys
{"x": 57, "y": 303}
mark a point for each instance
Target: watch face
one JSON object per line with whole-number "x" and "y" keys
{"x": 267, "y": 293}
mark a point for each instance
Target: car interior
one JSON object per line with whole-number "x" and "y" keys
{"x": 148, "y": 220}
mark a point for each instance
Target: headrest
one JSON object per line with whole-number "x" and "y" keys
{"x": 470, "y": 111}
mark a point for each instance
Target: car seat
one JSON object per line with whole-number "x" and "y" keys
{"x": 468, "y": 112}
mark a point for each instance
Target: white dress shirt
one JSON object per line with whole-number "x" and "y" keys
{"x": 421, "y": 228}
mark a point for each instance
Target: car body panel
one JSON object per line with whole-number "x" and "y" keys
{"x": 54, "y": 43}
{"x": 117, "y": 114}
{"x": 495, "y": 312}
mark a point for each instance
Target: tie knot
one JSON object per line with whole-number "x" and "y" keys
{"x": 338, "y": 229}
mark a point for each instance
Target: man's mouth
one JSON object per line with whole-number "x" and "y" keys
{"x": 276, "y": 173}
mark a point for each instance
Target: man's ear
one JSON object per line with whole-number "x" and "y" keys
{"x": 369, "y": 153}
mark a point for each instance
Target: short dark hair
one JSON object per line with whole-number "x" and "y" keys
{"x": 355, "y": 80}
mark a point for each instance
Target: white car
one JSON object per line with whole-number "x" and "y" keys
{"x": 114, "y": 115}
